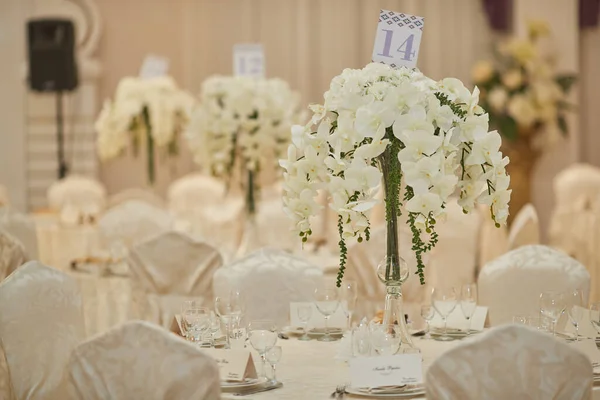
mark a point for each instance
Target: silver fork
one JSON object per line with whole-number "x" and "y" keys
{"x": 340, "y": 390}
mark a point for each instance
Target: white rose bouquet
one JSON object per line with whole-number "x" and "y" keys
{"x": 429, "y": 137}
{"x": 522, "y": 92}
{"x": 243, "y": 123}
{"x": 145, "y": 111}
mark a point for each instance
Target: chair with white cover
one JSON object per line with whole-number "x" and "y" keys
{"x": 41, "y": 322}
{"x": 86, "y": 196}
{"x": 194, "y": 190}
{"x": 170, "y": 268}
{"x": 511, "y": 362}
{"x": 23, "y": 228}
{"x": 4, "y": 198}
{"x": 133, "y": 222}
{"x": 363, "y": 259}
{"x": 525, "y": 228}
{"x": 274, "y": 226}
{"x": 269, "y": 280}
{"x": 453, "y": 260}
{"x": 511, "y": 284}
{"x": 138, "y": 360}
{"x": 136, "y": 194}
{"x": 493, "y": 240}
{"x": 575, "y": 220}
{"x": 12, "y": 254}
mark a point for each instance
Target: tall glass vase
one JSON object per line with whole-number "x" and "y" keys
{"x": 250, "y": 240}
{"x": 393, "y": 270}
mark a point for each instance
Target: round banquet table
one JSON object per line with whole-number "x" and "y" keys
{"x": 310, "y": 370}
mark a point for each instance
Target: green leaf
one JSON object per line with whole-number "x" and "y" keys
{"x": 565, "y": 82}
{"x": 562, "y": 124}
{"x": 565, "y": 105}
{"x": 508, "y": 127}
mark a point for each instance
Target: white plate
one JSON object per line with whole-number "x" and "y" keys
{"x": 318, "y": 332}
{"x": 413, "y": 392}
{"x": 248, "y": 383}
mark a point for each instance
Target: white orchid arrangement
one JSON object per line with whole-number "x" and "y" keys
{"x": 522, "y": 91}
{"x": 245, "y": 122}
{"x": 432, "y": 135}
{"x": 150, "y": 111}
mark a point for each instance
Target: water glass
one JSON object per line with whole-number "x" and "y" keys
{"x": 349, "y": 295}
{"x": 552, "y": 304}
{"x": 262, "y": 335}
{"x": 195, "y": 321}
{"x": 237, "y": 337}
{"x": 230, "y": 310}
{"x": 385, "y": 338}
{"x": 304, "y": 313}
{"x": 273, "y": 356}
{"x": 520, "y": 319}
{"x": 327, "y": 302}
{"x": 427, "y": 313}
{"x": 595, "y": 316}
{"x": 214, "y": 328}
{"x": 468, "y": 302}
{"x": 575, "y": 309}
{"x": 542, "y": 324}
{"x": 444, "y": 301}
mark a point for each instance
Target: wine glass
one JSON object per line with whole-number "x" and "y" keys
{"x": 231, "y": 310}
{"x": 595, "y": 316}
{"x": 444, "y": 301}
{"x": 468, "y": 302}
{"x": 304, "y": 313}
{"x": 262, "y": 335}
{"x": 385, "y": 338}
{"x": 427, "y": 313}
{"x": 215, "y": 327}
{"x": 575, "y": 309}
{"x": 327, "y": 302}
{"x": 273, "y": 357}
{"x": 552, "y": 304}
{"x": 196, "y": 321}
{"x": 349, "y": 294}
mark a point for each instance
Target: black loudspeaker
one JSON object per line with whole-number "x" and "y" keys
{"x": 52, "y": 66}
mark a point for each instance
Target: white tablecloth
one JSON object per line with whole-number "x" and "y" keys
{"x": 309, "y": 370}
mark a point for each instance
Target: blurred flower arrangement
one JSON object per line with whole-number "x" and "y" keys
{"x": 526, "y": 101}
{"x": 242, "y": 126}
{"x": 396, "y": 124}
{"x": 150, "y": 112}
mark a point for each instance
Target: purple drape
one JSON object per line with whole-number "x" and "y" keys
{"x": 589, "y": 11}
{"x": 499, "y": 13}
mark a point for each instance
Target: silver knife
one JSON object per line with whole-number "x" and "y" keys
{"x": 259, "y": 390}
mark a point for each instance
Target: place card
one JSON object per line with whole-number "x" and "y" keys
{"x": 234, "y": 365}
{"x": 249, "y": 60}
{"x": 398, "y": 39}
{"x": 317, "y": 320}
{"x": 176, "y": 325}
{"x": 457, "y": 320}
{"x": 401, "y": 369}
{"x": 154, "y": 66}
{"x": 589, "y": 348}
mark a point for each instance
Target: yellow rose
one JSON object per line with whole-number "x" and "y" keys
{"x": 546, "y": 91}
{"x": 512, "y": 79}
{"x": 521, "y": 108}
{"x": 522, "y": 50}
{"x": 482, "y": 71}
{"x": 538, "y": 28}
{"x": 497, "y": 99}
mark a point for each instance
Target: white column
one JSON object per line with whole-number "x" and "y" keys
{"x": 562, "y": 16}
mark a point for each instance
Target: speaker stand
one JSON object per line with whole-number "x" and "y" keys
{"x": 60, "y": 137}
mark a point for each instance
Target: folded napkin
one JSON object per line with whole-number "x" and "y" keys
{"x": 344, "y": 348}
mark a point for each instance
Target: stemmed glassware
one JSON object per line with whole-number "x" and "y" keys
{"x": 468, "y": 302}
{"x": 595, "y": 316}
{"x": 444, "y": 301}
{"x": 552, "y": 304}
{"x": 195, "y": 320}
{"x": 349, "y": 294}
{"x": 575, "y": 309}
{"x": 304, "y": 313}
{"x": 262, "y": 335}
{"x": 273, "y": 357}
{"x": 215, "y": 327}
{"x": 427, "y": 313}
{"x": 230, "y": 310}
{"x": 327, "y": 301}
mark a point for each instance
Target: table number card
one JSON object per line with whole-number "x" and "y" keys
{"x": 154, "y": 66}
{"x": 369, "y": 372}
{"x": 234, "y": 365}
{"x": 249, "y": 60}
{"x": 398, "y": 39}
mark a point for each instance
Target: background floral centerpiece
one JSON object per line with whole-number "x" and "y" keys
{"x": 425, "y": 138}
{"x": 146, "y": 112}
{"x": 241, "y": 129}
{"x": 526, "y": 101}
